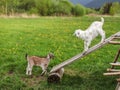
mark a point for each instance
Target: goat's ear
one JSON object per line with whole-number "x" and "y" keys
{"x": 51, "y": 55}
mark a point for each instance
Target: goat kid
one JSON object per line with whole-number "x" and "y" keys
{"x": 91, "y": 32}
{"x": 43, "y": 62}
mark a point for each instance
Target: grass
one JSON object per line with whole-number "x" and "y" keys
{"x": 39, "y": 36}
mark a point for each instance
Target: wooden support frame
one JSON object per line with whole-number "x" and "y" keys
{"x": 112, "y": 71}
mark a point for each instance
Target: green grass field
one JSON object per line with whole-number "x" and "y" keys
{"x": 39, "y": 36}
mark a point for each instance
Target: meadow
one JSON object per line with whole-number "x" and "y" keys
{"x": 39, "y": 36}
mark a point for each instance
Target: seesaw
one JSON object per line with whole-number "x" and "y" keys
{"x": 57, "y": 71}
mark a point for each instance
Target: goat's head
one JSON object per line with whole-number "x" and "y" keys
{"x": 78, "y": 33}
{"x": 50, "y": 55}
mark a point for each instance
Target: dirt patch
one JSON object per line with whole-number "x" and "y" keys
{"x": 32, "y": 81}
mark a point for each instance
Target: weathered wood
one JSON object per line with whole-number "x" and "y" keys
{"x": 118, "y": 79}
{"x": 56, "y": 76}
{"x": 118, "y": 85}
{"x": 116, "y": 38}
{"x": 112, "y": 73}
{"x": 113, "y": 70}
{"x": 114, "y": 42}
{"x": 116, "y": 58}
{"x": 115, "y": 64}
{"x": 81, "y": 55}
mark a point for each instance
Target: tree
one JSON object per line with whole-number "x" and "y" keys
{"x": 105, "y": 9}
{"x": 43, "y": 6}
{"x": 64, "y": 7}
{"x": 26, "y": 5}
{"x": 79, "y": 10}
{"x": 8, "y": 6}
{"x": 114, "y": 9}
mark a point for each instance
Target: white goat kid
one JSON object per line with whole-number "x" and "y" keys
{"x": 91, "y": 32}
{"x": 38, "y": 61}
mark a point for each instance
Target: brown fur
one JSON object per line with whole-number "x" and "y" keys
{"x": 38, "y": 61}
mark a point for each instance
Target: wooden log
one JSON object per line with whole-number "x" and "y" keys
{"x": 113, "y": 70}
{"x": 114, "y": 42}
{"x": 81, "y": 55}
{"x": 56, "y": 76}
{"x": 112, "y": 73}
{"x": 115, "y": 64}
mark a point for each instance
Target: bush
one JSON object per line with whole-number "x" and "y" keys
{"x": 26, "y": 4}
{"x": 33, "y": 11}
{"x": 88, "y": 11}
{"x": 62, "y": 7}
{"x": 79, "y": 10}
{"x": 115, "y": 8}
{"x": 42, "y": 7}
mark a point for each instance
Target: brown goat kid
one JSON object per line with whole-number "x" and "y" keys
{"x": 43, "y": 62}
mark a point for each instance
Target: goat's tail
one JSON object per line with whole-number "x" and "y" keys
{"x": 26, "y": 56}
{"x": 102, "y": 19}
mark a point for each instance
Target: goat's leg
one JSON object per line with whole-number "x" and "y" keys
{"x": 30, "y": 70}
{"x": 27, "y": 69}
{"x": 102, "y": 34}
{"x": 103, "y": 37}
{"x": 43, "y": 70}
{"x": 86, "y": 45}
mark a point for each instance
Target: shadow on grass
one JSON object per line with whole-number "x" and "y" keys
{"x": 95, "y": 81}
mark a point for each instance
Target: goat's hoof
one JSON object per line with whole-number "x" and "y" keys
{"x": 84, "y": 52}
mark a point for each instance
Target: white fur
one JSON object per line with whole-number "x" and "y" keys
{"x": 91, "y": 32}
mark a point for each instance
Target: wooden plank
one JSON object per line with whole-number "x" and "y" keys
{"x": 112, "y": 73}
{"x": 113, "y": 70}
{"x": 116, "y": 38}
{"x": 116, "y": 58}
{"x": 83, "y": 54}
{"x": 118, "y": 79}
{"x": 115, "y": 64}
{"x": 114, "y": 42}
{"x": 118, "y": 86}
